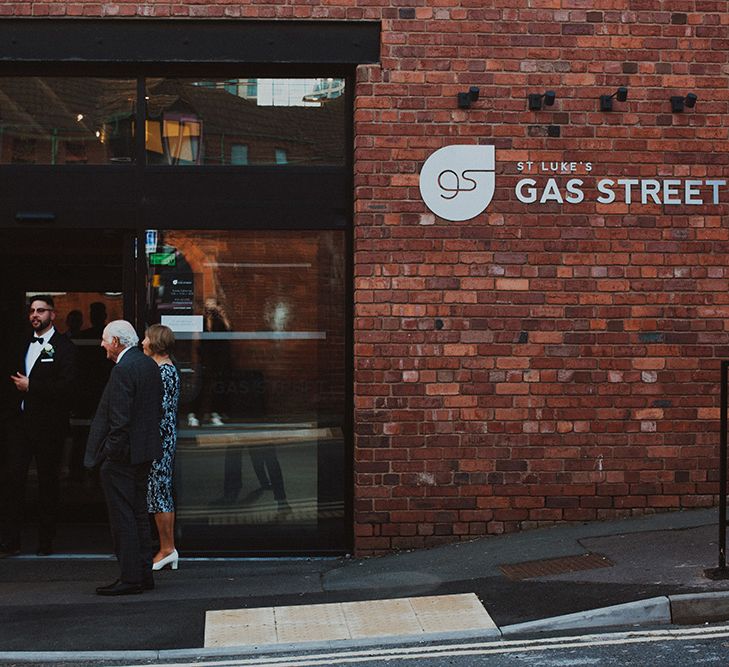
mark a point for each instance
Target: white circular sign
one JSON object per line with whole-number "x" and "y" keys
{"x": 457, "y": 182}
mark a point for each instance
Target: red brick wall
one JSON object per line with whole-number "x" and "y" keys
{"x": 575, "y": 376}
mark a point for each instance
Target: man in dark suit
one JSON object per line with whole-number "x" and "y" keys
{"x": 124, "y": 439}
{"x": 37, "y": 412}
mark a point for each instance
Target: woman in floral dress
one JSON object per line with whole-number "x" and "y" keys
{"x": 158, "y": 343}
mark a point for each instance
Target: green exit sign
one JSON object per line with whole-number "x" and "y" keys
{"x": 162, "y": 259}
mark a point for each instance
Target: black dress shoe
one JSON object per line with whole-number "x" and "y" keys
{"x": 147, "y": 585}
{"x": 108, "y": 587}
{"x": 9, "y": 550}
{"x": 120, "y": 588}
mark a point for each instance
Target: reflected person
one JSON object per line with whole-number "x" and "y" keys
{"x": 74, "y": 322}
{"x": 159, "y": 343}
{"x": 97, "y": 315}
{"x": 215, "y": 360}
{"x": 267, "y": 469}
{"x": 93, "y": 370}
{"x": 94, "y": 365}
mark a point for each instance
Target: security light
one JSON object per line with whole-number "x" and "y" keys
{"x": 678, "y": 103}
{"x": 535, "y": 100}
{"x": 465, "y": 99}
{"x": 606, "y": 101}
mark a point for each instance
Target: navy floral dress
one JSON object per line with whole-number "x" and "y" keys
{"x": 159, "y": 489}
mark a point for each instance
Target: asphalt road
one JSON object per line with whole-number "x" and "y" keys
{"x": 673, "y": 647}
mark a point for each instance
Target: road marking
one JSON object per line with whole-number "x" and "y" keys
{"x": 454, "y": 650}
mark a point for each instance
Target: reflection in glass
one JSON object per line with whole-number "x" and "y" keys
{"x": 63, "y": 120}
{"x": 245, "y": 121}
{"x": 259, "y": 320}
{"x": 87, "y": 120}
{"x": 82, "y": 317}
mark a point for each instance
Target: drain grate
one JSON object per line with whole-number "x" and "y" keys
{"x": 543, "y": 568}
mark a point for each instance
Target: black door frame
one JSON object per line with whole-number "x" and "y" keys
{"x": 136, "y": 197}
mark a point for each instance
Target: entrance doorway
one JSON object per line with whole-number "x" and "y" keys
{"x": 260, "y": 323}
{"x": 86, "y": 272}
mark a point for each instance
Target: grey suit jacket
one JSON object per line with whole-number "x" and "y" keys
{"x": 126, "y": 425}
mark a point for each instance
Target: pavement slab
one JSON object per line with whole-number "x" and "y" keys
{"x": 411, "y": 617}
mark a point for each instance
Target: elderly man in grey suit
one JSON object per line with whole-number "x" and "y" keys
{"x": 124, "y": 439}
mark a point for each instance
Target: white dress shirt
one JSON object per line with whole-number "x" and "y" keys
{"x": 35, "y": 349}
{"x": 121, "y": 354}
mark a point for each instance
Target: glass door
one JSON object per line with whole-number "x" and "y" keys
{"x": 87, "y": 273}
{"x": 259, "y": 318}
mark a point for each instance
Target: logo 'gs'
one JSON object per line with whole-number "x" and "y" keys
{"x": 457, "y": 182}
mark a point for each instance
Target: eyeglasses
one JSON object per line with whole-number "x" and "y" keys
{"x": 40, "y": 311}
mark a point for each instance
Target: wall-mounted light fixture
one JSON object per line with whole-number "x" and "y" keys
{"x": 606, "y": 101}
{"x": 535, "y": 100}
{"x": 678, "y": 102}
{"x": 470, "y": 96}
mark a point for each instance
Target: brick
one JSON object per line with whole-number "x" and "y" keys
{"x": 512, "y": 284}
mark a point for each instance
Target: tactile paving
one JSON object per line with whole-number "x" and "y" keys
{"x": 346, "y": 620}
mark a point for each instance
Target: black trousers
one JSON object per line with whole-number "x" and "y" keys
{"x": 25, "y": 442}
{"x": 265, "y": 464}
{"x": 125, "y": 489}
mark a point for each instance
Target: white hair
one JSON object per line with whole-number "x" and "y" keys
{"x": 124, "y": 331}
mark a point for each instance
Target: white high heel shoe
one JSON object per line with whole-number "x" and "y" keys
{"x": 170, "y": 559}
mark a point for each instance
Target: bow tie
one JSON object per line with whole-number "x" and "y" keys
{"x": 37, "y": 339}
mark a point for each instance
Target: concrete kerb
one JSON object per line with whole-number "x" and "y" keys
{"x": 650, "y": 611}
{"x": 692, "y": 608}
{"x": 57, "y": 657}
{"x": 687, "y": 609}
{"x": 93, "y": 657}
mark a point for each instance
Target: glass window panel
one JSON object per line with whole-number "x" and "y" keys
{"x": 281, "y": 156}
{"x": 259, "y": 319}
{"x": 200, "y": 121}
{"x": 63, "y": 120}
{"x": 239, "y": 154}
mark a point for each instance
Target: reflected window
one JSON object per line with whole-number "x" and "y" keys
{"x": 279, "y": 121}
{"x": 87, "y": 120}
{"x": 62, "y": 120}
{"x": 281, "y": 156}
{"x": 259, "y": 319}
{"x": 239, "y": 154}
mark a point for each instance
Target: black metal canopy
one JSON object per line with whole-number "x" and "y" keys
{"x": 131, "y": 43}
